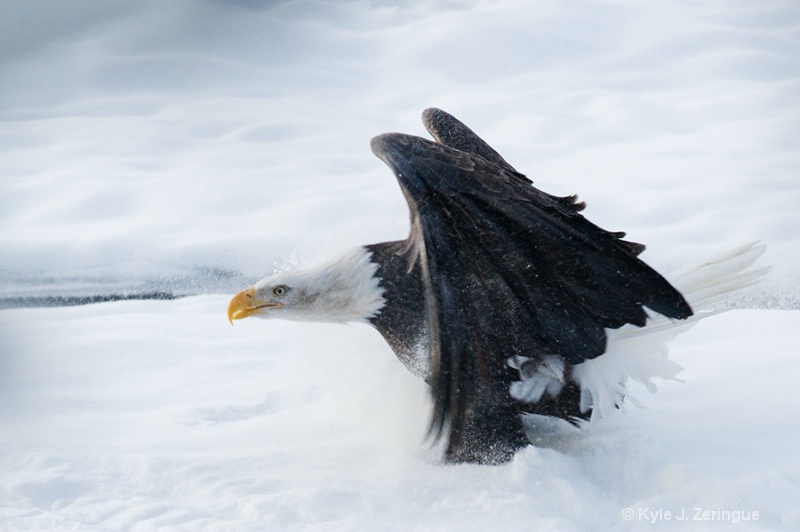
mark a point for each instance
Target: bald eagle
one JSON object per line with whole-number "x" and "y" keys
{"x": 498, "y": 298}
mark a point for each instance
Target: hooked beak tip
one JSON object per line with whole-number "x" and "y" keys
{"x": 241, "y": 305}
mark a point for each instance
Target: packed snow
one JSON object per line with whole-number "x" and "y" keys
{"x": 174, "y": 153}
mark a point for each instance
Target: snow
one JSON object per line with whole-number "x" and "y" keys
{"x": 192, "y": 148}
{"x": 159, "y": 414}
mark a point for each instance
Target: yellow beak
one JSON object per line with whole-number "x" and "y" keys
{"x": 242, "y": 305}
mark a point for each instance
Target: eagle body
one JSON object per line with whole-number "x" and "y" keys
{"x": 498, "y": 297}
{"x": 403, "y": 320}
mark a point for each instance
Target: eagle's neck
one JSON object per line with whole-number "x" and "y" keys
{"x": 347, "y": 289}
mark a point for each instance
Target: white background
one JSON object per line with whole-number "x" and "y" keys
{"x": 195, "y": 147}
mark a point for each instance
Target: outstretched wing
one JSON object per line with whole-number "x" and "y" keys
{"x": 508, "y": 270}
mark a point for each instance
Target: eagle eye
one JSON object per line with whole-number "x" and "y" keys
{"x": 279, "y": 291}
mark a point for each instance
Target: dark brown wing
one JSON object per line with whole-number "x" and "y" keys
{"x": 450, "y": 131}
{"x": 508, "y": 270}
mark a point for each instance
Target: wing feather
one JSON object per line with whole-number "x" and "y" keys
{"x": 507, "y": 270}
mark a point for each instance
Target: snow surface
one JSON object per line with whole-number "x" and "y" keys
{"x": 191, "y": 148}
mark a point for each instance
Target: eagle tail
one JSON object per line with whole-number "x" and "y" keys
{"x": 641, "y": 353}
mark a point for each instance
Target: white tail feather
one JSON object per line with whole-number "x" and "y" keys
{"x": 641, "y": 353}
